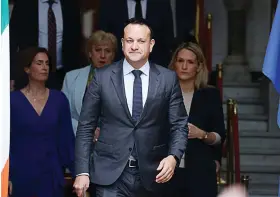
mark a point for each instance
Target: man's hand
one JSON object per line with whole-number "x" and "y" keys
{"x": 195, "y": 132}
{"x": 166, "y": 168}
{"x": 81, "y": 184}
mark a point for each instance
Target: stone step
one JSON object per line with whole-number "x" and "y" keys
{"x": 263, "y": 178}
{"x": 268, "y": 181}
{"x": 259, "y": 144}
{"x": 263, "y": 189}
{"x": 258, "y": 178}
{"x": 236, "y": 91}
{"x": 257, "y": 117}
{"x": 258, "y": 167}
{"x": 260, "y": 134}
{"x": 238, "y": 84}
{"x": 252, "y": 195}
{"x": 256, "y": 101}
{"x": 247, "y": 108}
{"x": 251, "y": 122}
{"x": 258, "y": 151}
{"x": 262, "y": 161}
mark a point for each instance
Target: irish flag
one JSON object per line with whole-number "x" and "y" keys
{"x": 4, "y": 97}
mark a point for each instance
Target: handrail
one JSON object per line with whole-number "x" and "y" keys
{"x": 229, "y": 142}
{"x": 236, "y": 142}
{"x": 219, "y": 70}
{"x": 199, "y": 26}
{"x": 233, "y": 153}
{"x": 208, "y": 42}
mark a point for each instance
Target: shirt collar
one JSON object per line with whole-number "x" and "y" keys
{"x": 127, "y": 68}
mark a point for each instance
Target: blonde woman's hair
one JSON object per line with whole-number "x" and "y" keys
{"x": 201, "y": 79}
{"x": 99, "y": 37}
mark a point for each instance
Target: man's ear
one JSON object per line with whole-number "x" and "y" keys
{"x": 152, "y": 44}
{"x": 122, "y": 40}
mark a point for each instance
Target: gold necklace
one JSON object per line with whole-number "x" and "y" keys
{"x": 33, "y": 98}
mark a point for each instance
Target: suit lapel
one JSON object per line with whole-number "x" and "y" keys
{"x": 152, "y": 89}
{"x": 80, "y": 87}
{"x": 118, "y": 82}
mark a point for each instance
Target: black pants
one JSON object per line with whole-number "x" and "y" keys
{"x": 128, "y": 185}
{"x": 197, "y": 181}
{"x": 92, "y": 190}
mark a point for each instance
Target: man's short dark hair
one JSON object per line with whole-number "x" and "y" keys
{"x": 140, "y": 21}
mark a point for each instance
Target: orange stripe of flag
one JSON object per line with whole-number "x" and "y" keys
{"x": 5, "y": 180}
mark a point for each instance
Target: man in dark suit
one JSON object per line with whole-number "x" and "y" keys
{"x": 143, "y": 123}
{"x": 113, "y": 14}
{"x": 185, "y": 19}
{"x": 31, "y": 24}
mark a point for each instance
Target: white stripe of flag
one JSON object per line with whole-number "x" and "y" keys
{"x": 4, "y": 96}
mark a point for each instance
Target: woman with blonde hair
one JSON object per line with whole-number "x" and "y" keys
{"x": 196, "y": 176}
{"x": 101, "y": 49}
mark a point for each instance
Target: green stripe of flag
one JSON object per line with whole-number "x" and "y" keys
{"x": 4, "y": 14}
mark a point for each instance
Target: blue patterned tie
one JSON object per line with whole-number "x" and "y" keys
{"x": 137, "y": 105}
{"x": 52, "y": 34}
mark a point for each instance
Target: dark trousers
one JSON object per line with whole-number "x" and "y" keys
{"x": 193, "y": 182}
{"x": 127, "y": 185}
{"x": 92, "y": 190}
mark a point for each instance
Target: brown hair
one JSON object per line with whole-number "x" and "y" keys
{"x": 25, "y": 58}
{"x": 201, "y": 79}
{"x": 100, "y": 36}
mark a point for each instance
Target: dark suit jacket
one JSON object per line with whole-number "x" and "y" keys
{"x": 185, "y": 17}
{"x": 113, "y": 15}
{"x": 24, "y": 31}
{"x": 207, "y": 114}
{"x": 161, "y": 130}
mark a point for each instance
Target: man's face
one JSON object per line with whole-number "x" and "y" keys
{"x": 137, "y": 43}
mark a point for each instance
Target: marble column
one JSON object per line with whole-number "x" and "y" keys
{"x": 235, "y": 64}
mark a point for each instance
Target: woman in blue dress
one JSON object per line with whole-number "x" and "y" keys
{"x": 42, "y": 138}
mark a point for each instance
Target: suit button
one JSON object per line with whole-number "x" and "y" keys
{"x": 130, "y": 149}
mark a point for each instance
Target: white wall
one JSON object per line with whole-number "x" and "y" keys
{"x": 219, "y": 31}
{"x": 257, "y": 32}
{"x": 258, "y": 29}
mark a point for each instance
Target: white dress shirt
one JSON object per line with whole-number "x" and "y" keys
{"x": 43, "y": 27}
{"x": 131, "y": 8}
{"x": 129, "y": 81}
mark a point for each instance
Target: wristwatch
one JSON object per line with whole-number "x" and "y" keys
{"x": 205, "y": 136}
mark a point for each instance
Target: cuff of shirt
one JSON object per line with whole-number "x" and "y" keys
{"x": 218, "y": 139}
{"x": 83, "y": 174}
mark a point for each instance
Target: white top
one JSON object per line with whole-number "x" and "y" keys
{"x": 187, "y": 102}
